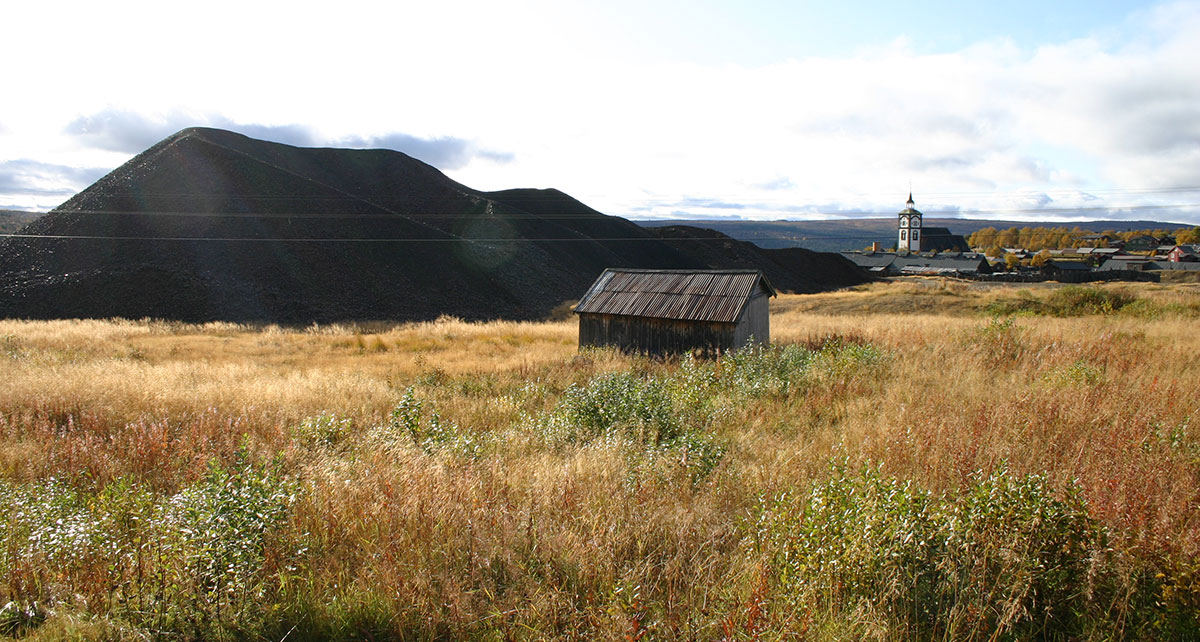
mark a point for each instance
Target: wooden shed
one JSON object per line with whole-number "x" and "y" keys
{"x": 672, "y": 311}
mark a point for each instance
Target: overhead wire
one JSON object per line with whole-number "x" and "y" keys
{"x": 423, "y": 218}
{"x": 427, "y": 220}
{"x": 517, "y": 239}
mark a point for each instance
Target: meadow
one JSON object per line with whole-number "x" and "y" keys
{"x": 910, "y": 460}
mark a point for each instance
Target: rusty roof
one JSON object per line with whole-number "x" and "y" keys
{"x": 689, "y": 295}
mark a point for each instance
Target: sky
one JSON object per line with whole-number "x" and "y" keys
{"x": 647, "y": 109}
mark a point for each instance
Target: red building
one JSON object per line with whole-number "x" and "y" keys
{"x": 1183, "y": 253}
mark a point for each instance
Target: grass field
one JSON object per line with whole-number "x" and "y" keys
{"x": 913, "y": 460}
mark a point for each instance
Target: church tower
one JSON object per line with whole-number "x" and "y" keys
{"x": 910, "y": 228}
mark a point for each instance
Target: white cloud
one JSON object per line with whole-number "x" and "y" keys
{"x": 528, "y": 95}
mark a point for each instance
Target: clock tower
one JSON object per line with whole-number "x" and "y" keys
{"x": 909, "y": 239}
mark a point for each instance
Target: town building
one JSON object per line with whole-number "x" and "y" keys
{"x": 913, "y": 236}
{"x": 909, "y": 233}
{"x": 946, "y": 263}
{"x": 1184, "y": 253}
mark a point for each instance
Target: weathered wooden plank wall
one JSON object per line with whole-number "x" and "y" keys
{"x": 654, "y": 336}
{"x": 755, "y": 322}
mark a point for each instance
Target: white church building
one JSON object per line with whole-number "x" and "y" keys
{"x": 910, "y": 228}
{"x": 913, "y": 237}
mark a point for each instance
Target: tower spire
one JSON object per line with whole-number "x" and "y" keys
{"x": 909, "y": 239}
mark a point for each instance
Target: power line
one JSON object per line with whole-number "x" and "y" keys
{"x": 331, "y": 188}
{"x": 535, "y": 195}
{"x": 414, "y": 218}
{"x": 582, "y": 239}
{"x": 812, "y": 238}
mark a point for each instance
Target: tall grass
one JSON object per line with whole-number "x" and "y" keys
{"x": 1006, "y": 555}
{"x": 1013, "y": 477}
{"x": 195, "y": 562}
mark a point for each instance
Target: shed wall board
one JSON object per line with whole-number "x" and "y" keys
{"x": 755, "y": 322}
{"x": 658, "y": 336}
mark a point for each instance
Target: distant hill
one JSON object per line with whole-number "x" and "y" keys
{"x": 13, "y": 220}
{"x": 855, "y": 234}
{"x": 794, "y": 270}
{"x": 212, "y": 225}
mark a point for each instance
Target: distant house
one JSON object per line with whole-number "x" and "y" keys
{"x": 947, "y": 263}
{"x": 1057, "y": 267}
{"x": 928, "y": 270}
{"x": 1097, "y": 255}
{"x": 941, "y": 239}
{"x": 1143, "y": 243}
{"x": 1183, "y": 253}
{"x": 873, "y": 262}
{"x": 1124, "y": 263}
{"x": 1183, "y": 266}
{"x": 675, "y": 311}
{"x": 1143, "y": 264}
{"x": 911, "y": 236}
{"x": 1098, "y": 240}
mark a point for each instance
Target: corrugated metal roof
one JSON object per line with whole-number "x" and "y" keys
{"x": 962, "y": 262}
{"x": 690, "y": 295}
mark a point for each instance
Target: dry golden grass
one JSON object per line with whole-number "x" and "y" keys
{"x": 532, "y": 540}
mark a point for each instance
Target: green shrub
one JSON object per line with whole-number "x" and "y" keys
{"x": 837, "y": 360}
{"x": 657, "y": 422}
{"x": 1000, "y": 342}
{"x": 1071, "y": 301}
{"x": 325, "y": 430}
{"x": 670, "y": 417}
{"x": 53, "y": 533}
{"x": 760, "y": 371}
{"x": 622, "y": 405}
{"x": 1022, "y": 305}
{"x": 1018, "y": 558}
{"x": 47, "y": 521}
{"x": 1079, "y": 373}
{"x": 1074, "y": 300}
{"x": 694, "y": 385}
{"x": 695, "y": 454}
{"x": 431, "y": 434}
{"x": 195, "y": 561}
{"x": 1008, "y": 555}
{"x": 854, "y": 539}
{"x": 17, "y": 619}
{"x": 215, "y": 536}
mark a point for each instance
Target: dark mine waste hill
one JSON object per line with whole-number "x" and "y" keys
{"x": 212, "y": 225}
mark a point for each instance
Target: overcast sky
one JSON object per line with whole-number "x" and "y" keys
{"x": 644, "y": 109}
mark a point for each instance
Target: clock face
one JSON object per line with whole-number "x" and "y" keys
{"x": 903, "y": 221}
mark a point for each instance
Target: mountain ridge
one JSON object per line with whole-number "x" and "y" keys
{"x": 854, "y": 234}
{"x": 213, "y": 225}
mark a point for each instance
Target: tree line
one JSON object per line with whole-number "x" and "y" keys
{"x": 1060, "y": 238}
